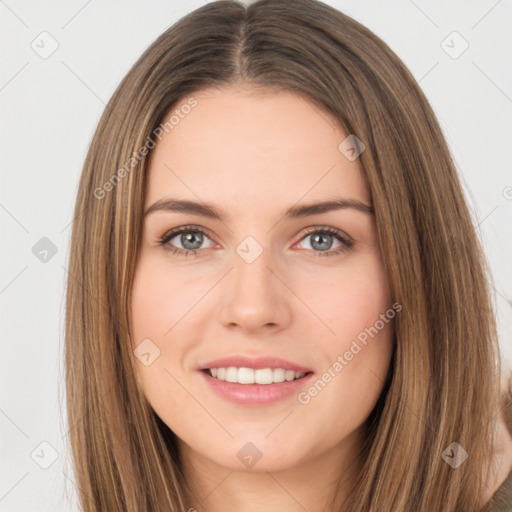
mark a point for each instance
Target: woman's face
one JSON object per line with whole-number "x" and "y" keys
{"x": 257, "y": 286}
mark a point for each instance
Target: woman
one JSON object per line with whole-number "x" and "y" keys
{"x": 213, "y": 360}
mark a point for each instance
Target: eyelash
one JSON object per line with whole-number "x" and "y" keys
{"x": 346, "y": 243}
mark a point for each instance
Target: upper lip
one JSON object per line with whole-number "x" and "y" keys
{"x": 254, "y": 363}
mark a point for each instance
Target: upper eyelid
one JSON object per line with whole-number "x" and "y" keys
{"x": 333, "y": 231}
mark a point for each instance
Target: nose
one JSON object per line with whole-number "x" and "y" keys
{"x": 254, "y": 295}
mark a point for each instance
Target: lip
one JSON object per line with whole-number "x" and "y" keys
{"x": 256, "y": 363}
{"x": 255, "y": 395}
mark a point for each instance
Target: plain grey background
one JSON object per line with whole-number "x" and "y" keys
{"x": 61, "y": 62}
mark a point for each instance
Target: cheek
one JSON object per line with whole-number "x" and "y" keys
{"x": 356, "y": 357}
{"x": 155, "y": 308}
{"x": 165, "y": 304}
{"x": 150, "y": 304}
{"x": 353, "y": 300}
{"x": 162, "y": 298}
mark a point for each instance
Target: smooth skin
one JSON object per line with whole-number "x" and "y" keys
{"x": 254, "y": 155}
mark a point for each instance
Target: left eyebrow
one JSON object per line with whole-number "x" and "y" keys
{"x": 336, "y": 204}
{"x": 295, "y": 212}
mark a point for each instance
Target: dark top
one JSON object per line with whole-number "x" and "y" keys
{"x": 501, "y": 500}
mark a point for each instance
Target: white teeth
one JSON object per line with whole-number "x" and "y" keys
{"x": 289, "y": 375}
{"x": 246, "y": 376}
{"x": 231, "y": 374}
{"x": 263, "y": 376}
{"x": 278, "y": 375}
{"x": 250, "y": 376}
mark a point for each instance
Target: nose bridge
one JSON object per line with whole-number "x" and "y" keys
{"x": 254, "y": 296}
{"x": 251, "y": 274}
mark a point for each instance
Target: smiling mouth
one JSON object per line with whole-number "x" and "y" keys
{"x": 262, "y": 376}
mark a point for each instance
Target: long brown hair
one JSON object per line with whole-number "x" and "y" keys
{"x": 443, "y": 383}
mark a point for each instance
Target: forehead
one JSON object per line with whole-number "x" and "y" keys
{"x": 240, "y": 146}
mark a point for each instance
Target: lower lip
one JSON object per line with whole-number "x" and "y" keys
{"x": 255, "y": 394}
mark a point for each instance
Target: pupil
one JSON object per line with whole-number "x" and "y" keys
{"x": 189, "y": 238}
{"x": 322, "y": 246}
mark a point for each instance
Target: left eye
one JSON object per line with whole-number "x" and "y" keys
{"x": 321, "y": 238}
{"x": 192, "y": 238}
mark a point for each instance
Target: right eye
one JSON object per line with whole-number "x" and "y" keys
{"x": 190, "y": 237}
